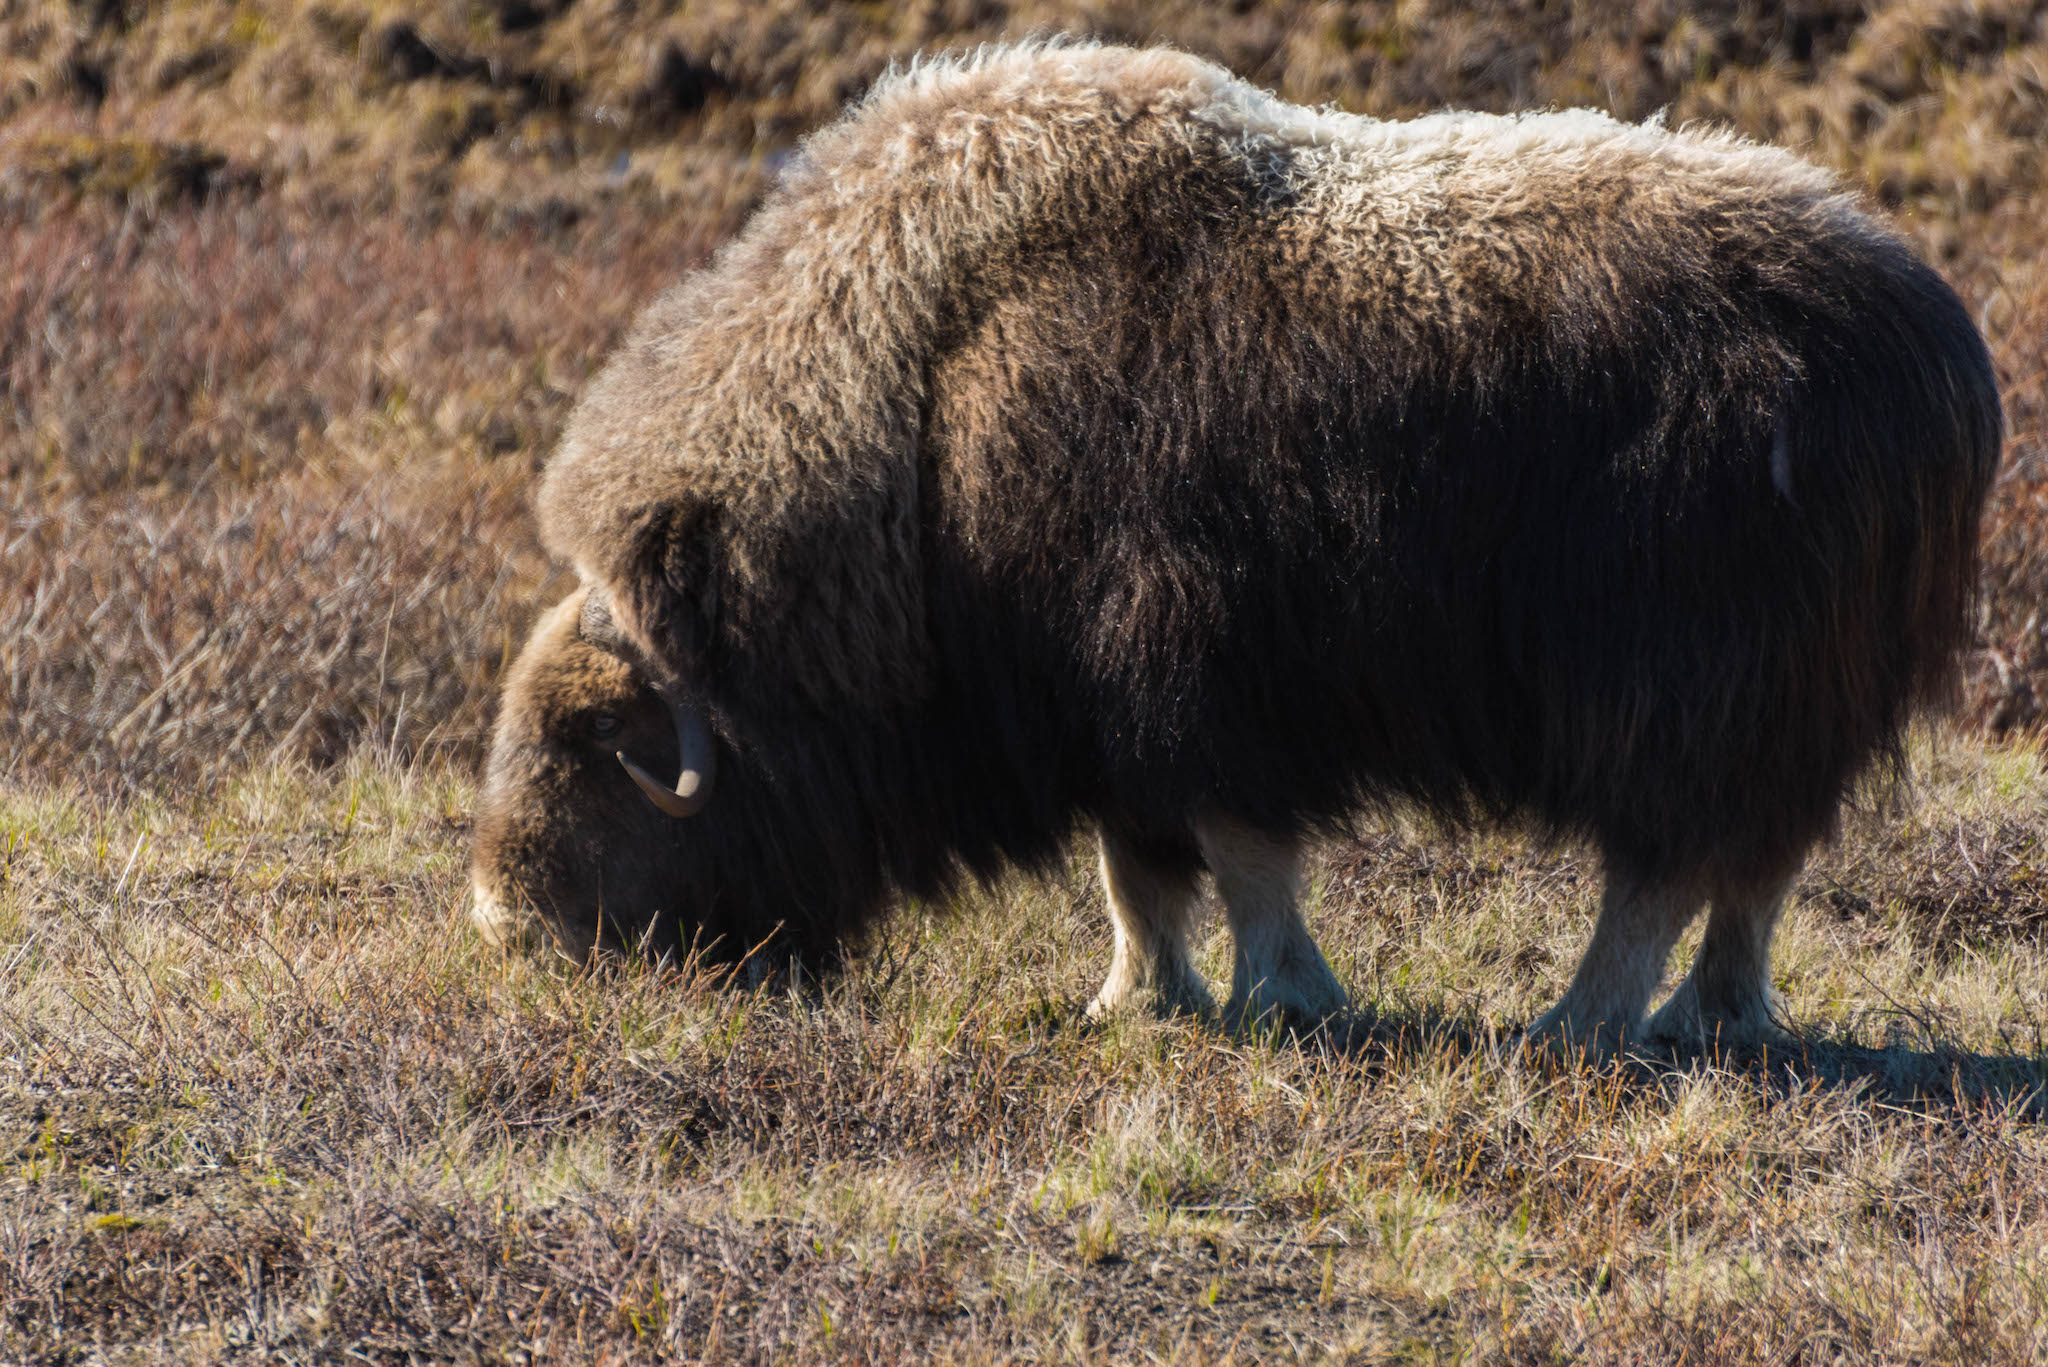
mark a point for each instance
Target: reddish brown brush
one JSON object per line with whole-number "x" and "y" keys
{"x": 263, "y": 480}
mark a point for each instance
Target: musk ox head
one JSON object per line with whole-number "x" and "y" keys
{"x": 575, "y": 837}
{"x": 565, "y": 843}
{"x": 618, "y": 815}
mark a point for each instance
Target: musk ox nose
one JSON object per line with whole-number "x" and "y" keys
{"x": 496, "y": 919}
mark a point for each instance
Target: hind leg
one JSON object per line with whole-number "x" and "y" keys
{"x": 1640, "y": 919}
{"x": 1151, "y": 908}
{"x": 1727, "y": 998}
{"x": 1276, "y": 968}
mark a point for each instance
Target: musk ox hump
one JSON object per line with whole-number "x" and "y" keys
{"x": 744, "y": 478}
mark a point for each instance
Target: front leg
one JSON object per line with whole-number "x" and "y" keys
{"x": 1151, "y": 909}
{"x": 1276, "y": 969}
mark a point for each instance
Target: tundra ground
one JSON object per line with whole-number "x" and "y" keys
{"x": 269, "y": 1098}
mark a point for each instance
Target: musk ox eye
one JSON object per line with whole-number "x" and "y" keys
{"x": 604, "y": 726}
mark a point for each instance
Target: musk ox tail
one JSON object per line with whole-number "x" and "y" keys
{"x": 1954, "y": 487}
{"x": 1844, "y": 612}
{"x": 1913, "y": 413}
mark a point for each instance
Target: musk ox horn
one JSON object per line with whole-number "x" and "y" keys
{"x": 699, "y": 765}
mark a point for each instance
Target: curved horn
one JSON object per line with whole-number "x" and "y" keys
{"x": 699, "y": 765}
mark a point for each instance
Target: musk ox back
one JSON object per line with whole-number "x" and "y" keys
{"x": 1079, "y": 435}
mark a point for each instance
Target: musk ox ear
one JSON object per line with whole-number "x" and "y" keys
{"x": 805, "y": 607}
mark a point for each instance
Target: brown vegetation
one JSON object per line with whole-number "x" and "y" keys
{"x": 282, "y": 256}
{"x": 293, "y": 298}
{"x": 265, "y": 474}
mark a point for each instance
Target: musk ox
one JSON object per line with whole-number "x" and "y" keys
{"x": 1081, "y": 435}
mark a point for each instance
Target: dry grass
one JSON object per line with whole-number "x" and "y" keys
{"x": 295, "y": 298}
{"x": 269, "y": 1098}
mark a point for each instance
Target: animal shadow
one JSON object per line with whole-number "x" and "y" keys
{"x": 1917, "y": 1067}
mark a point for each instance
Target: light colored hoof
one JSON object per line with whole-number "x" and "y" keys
{"x": 1294, "y": 1005}
{"x": 1188, "y": 997}
{"x": 1560, "y": 1033}
{"x": 1683, "y": 1022}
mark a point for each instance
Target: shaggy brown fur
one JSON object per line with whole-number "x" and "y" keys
{"x": 1080, "y": 433}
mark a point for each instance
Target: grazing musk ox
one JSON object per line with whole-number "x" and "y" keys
{"x": 1079, "y": 434}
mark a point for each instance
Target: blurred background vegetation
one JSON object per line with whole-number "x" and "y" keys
{"x": 295, "y": 297}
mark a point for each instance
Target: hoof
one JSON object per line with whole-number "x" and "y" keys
{"x": 1564, "y": 1036}
{"x": 1188, "y": 997}
{"x": 1685, "y": 1022}
{"x": 1304, "y": 1009}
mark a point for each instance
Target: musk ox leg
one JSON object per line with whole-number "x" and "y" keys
{"x": 1151, "y": 908}
{"x": 1727, "y": 998}
{"x": 1277, "y": 968}
{"x": 1640, "y": 919}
